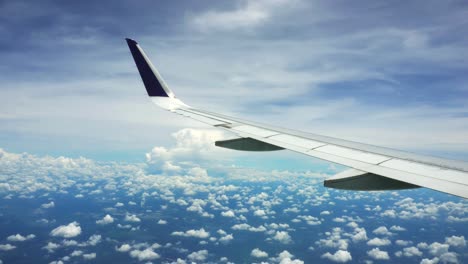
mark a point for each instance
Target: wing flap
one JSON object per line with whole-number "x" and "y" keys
{"x": 298, "y": 141}
{"x": 353, "y": 154}
{"x": 423, "y": 169}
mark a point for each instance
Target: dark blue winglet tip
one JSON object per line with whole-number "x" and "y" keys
{"x": 152, "y": 84}
{"x": 131, "y": 41}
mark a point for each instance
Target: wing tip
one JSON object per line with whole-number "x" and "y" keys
{"x": 131, "y": 41}
{"x": 154, "y": 84}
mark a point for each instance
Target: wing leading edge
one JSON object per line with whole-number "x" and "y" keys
{"x": 372, "y": 167}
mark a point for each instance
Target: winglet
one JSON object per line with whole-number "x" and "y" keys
{"x": 154, "y": 83}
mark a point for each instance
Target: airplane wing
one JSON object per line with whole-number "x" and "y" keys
{"x": 371, "y": 167}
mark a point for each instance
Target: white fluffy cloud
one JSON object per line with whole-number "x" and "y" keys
{"x": 162, "y": 222}
{"x": 437, "y": 249}
{"x": 283, "y": 237}
{"x": 124, "y": 248}
{"x": 200, "y": 255}
{"x": 71, "y": 230}
{"x": 76, "y": 253}
{"x": 382, "y": 230}
{"x": 94, "y": 240}
{"x": 192, "y": 146}
{"x": 6, "y": 247}
{"x": 247, "y": 227}
{"x": 429, "y": 261}
{"x": 51, "y": 247}
{"x": 89, "y": 256}
{"x": 226, "y": 239}
{"x": 341, "y": 256}
{"x": 360, "y": 234}
{"x": 259, "y": 212}
{"x": 257, "y": 253}
{"x": 146, "y": 254}
{"x": 397, "y": 228}
{"x": 287, "y": 258}
{"x": 379, "y": 242}
{"x": 20, "y": 238}
{"x": 378, "y": 254}
{"x": 200, "y": 233}
{"x": 132, "y": 218}
{"x": 228, "y": 213}
{"x": 48, "y": 205}
{"x": 105, "y": 220}
{"x": 411, "y": 252}
{"x": 334, "y": 240}
{"x": 456, "y": 241}
{"x": 403, "y": 243}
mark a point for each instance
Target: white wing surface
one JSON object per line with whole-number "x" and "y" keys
{"x": 371, "y": 167}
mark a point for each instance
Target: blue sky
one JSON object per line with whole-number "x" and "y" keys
{"x": 391, "y": 74}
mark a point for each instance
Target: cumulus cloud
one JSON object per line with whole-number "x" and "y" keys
{"x": 257, "y": 253}
{"x": 192, "y": 146}
{"x": 247, "y": 227}
{"x": 411, "y": 252}
{"x": 71, "y": 230}
{"x": 339, "y": 220}
{"x": 456, "y": 241}
{"x": 449, "y": 257}
{"x": 287, "y": 258}
{"x": 20, "y": 238}
{"x": 379, "y": 242}
{"x": 200, "y": 233}
{"x": 360, "y": 234}
{"x": 378, "y": 254}
{"x": 229, "y": 213}
{"x": 94, "y": 240}
{"x": 124, "y": 248}
{"x": 283, "y": 237}
{"x": 162, "y": 222}
{"x": 259, "y": 212}
{"x": 382, "y": 230}
{"x": 146, "y": 254}
{"x": 438, "y": 249}
{"x": 226, "y": 239}
{"x": 132, "y": 218}
{"x": 76, "y": 253}
{"x": 341, "y": 256}
{"x": 310, "y": 220}
{"x": 429, "y": 261}
{"x": 105, "y": 220}
{"x": 51, "y": 247}
{"x": 89, "y": 256}
{"x": 200, "y": 255}
{"x": 334, "y": 239}
{"x": 400, "y": 242}
{"x": 397, "y": 228}
{"x": 6, "y": 247}
{"x": 48, "y": 205}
